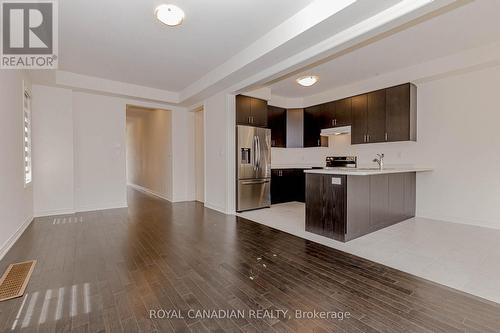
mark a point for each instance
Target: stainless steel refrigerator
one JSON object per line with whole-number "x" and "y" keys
{"x": 253, "y": 168}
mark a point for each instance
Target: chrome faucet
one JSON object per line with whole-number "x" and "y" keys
{"x": 380, "y": 160}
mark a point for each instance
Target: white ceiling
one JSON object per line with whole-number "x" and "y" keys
{"x": 120, "y": 40}
{"x": 470, "y": 26}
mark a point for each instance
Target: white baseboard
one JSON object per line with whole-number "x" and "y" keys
{"x": 214, "y": 207}
{"x": 102, "y": 207}
{"x": 55, "y": 212}
{"x": 493, "y": 224}
{"x": 12, "y": 240}
{"x": 148, "y": 191}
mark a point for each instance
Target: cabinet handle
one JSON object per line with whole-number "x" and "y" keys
{"x": 368, "y": 138}
{"x": 319, "y": 142}
{"x": 335, "y": 122}
{"x": 386, "y": 137}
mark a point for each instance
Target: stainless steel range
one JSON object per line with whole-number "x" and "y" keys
{"x": 341, "y": 162}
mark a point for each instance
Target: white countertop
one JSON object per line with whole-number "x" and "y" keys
{"x": 367, "y": 171}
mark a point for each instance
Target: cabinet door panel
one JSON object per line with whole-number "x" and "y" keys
{"x": 301, "y": 187}
{"x": 398, "y": 113}
{"x": 276, "y": 120}
{"x": 314, "y": 206}
{"x": 243, "y": 110}
{"x": 276, "y": 187}
{"x": 312, "y": 117}
{"x": 379, "y": 201}
{"x": 376, "y": 116}
{"x": 258, "y": 112}
{"x": 334, "y": 206}
{"x": 328, "y": 115}
{"x": 359, "y": 119}
{"x": 343, "y": 114}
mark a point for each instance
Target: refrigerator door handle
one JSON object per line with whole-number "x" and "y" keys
{"x": 254, "y": 182}
{"x": 258, "y": 152}
{"x": 254, "y": 147}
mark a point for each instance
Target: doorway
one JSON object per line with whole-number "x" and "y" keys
{"x": 199, "y": 131}
{"x": 149, "y": 150}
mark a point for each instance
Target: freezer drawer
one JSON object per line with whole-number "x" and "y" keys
{"x": 253, "y": 194}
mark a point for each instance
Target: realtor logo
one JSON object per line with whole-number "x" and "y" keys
{"x": 29, "y": 34}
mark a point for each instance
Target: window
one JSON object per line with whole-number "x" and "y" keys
{"x": 27, "y": 137}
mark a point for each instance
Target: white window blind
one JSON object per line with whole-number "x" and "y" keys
{"x": 27, "y": 137}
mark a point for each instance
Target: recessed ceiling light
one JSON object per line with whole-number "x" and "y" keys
{"x": 169, "y": 14}
{"x": 307, "y": 81}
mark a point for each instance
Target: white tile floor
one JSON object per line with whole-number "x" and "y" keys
{"x": 460, "y": 256}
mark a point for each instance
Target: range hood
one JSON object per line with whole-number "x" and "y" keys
{"x": 336, "y": 131}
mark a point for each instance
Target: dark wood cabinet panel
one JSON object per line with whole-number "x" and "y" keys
{"x": 375, "y": 116}
{"x": 334, "y": 198}
{"x": 359, "y": 119}
{"x": 276, "y": 121}
{"x": 379, "y": 201}
{"x": 243, "y": 110}
{"x": 314, "y": 203}
{"x": 328, "y": 115}
{"x": 401, "y": 112}
{"x": 312, "y": 127}
{"x": 396, "y": 197}
{"x": 258, "y": 112}
{"x": 251, "y": 111}
{"x": 343, "y": 115}
{"x": 287, "y": 185}
{"x": 326, "y": 205}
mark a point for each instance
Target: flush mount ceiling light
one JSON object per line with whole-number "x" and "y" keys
{"x": 169, "y": 14}
{"x": 307, "y": 81}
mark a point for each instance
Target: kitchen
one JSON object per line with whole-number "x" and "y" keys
{"x": 342, "y": 200}
{"x": 426, "y": 245}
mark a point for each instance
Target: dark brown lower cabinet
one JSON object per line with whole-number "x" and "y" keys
{"x": 287, "y": 185}
{"x": 347, "y": 207}
{"x": 326, "y": 205}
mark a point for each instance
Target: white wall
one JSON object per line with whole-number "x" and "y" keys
{"x": 149, "y": 150}
{"x": 16, "y": 201}
{"x": 99, "y": 150}
{"x": 100, "y": 166}
{"x": 183, "y": 155}
{"x": 458, "y": 135}
{"x": 53, "y": 174}
{"x": 220, "y": 153}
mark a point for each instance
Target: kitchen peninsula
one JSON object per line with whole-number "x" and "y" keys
{"x": 346, "y": 203}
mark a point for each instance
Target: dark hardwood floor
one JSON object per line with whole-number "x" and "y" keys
{"x": 104, "y": 271}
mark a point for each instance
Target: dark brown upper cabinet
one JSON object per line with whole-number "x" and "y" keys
{"x": 359, "y": 119}
{"x": 343, "y": 112}
{"x": 276, "y": 120}
{"x": 385, "y": 115}
{"x": 313, "y": 120}
{"x": 251, "y": 111}
{"x": 401, "y": 113}
{"x": 327, "y": 115}
{"x": 375, "y": 110}
{"x": 336, "y": 113}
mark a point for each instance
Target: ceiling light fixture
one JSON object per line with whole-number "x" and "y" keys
{"x": 169, "y": 14}
{"x": 307, "y": 81}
